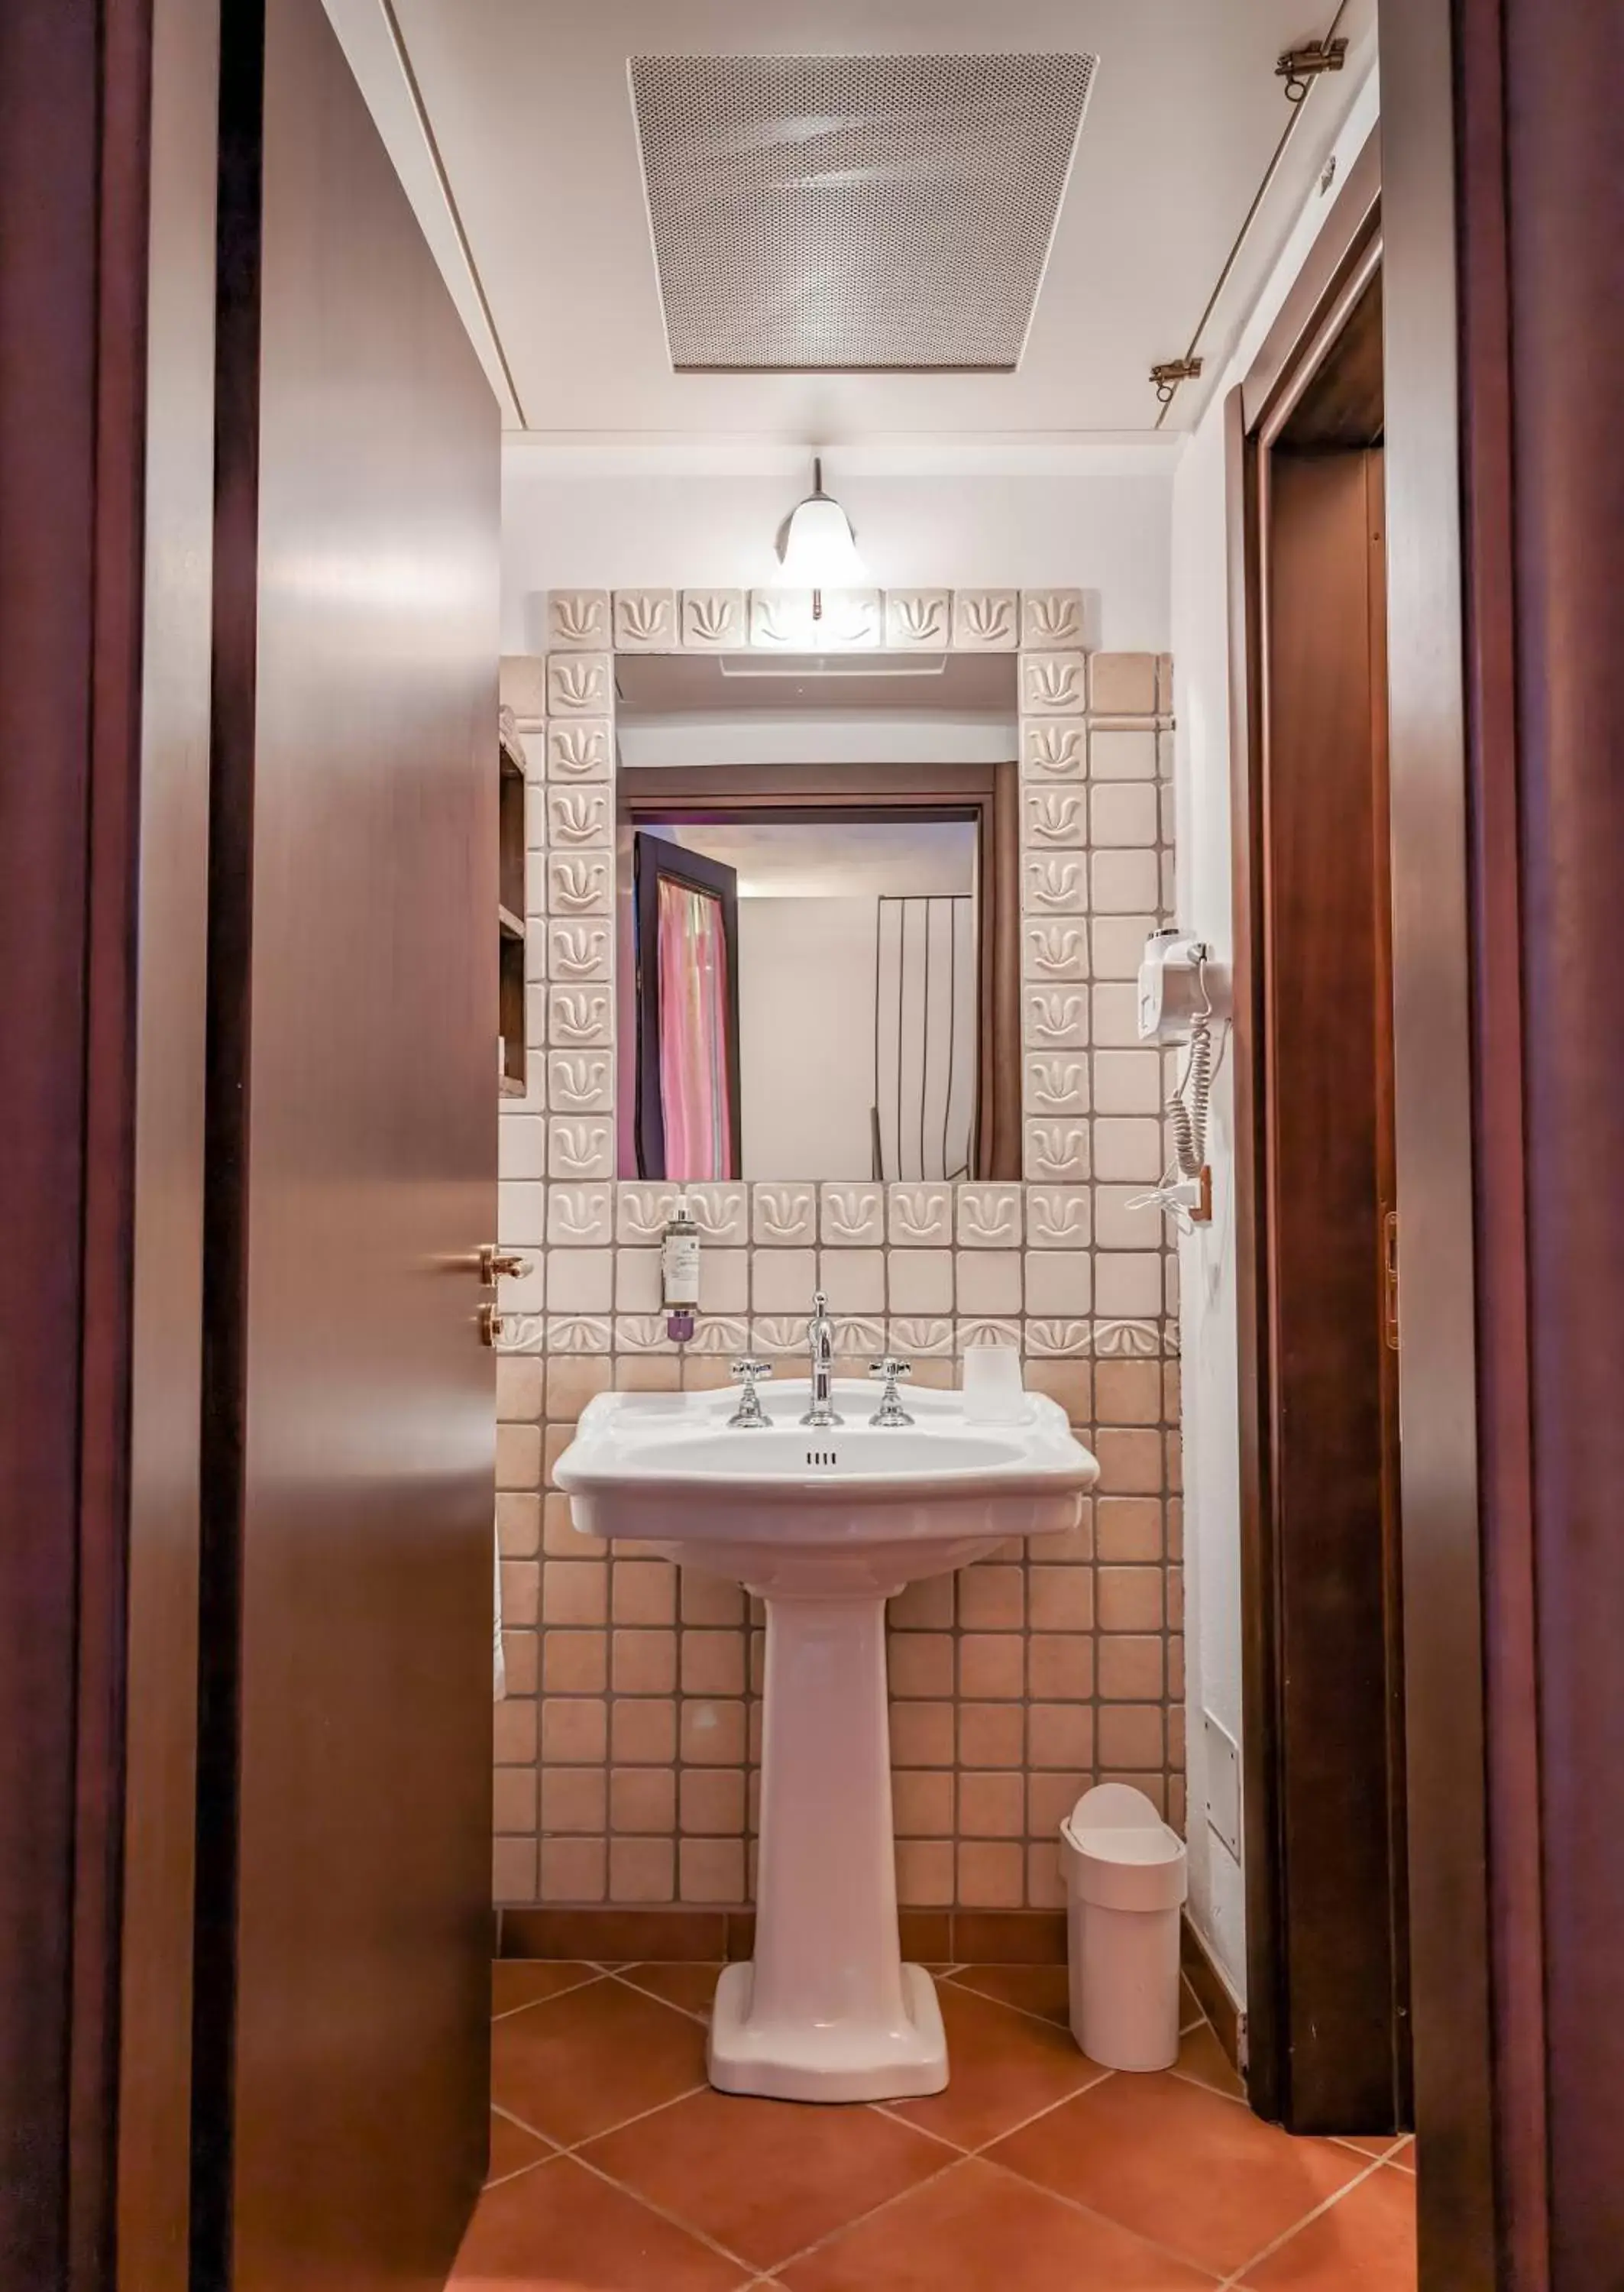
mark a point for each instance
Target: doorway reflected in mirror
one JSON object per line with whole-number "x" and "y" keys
{"x": 816, "y": 909}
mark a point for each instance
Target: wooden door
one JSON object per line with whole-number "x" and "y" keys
{"x": 344, "y": 1848}
{"x": 709, "y": 1018}
{"x": 1336, "y": 1856}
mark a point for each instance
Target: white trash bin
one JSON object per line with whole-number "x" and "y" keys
{"x": 1126, "y": 1880}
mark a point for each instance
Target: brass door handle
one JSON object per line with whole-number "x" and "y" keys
{"x": 500, "y": 1264}
{"x": 491, "y": 1327}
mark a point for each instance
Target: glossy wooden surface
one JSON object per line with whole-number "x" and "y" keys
{"x": 160, "y": 1731}
{"x": 342, "y": 1974}
{"x": 49, "y": 161}
{"x": 1430, "y": 643}
{"x": 1319, "y": 1743}
{"x": 1563, "y": 207}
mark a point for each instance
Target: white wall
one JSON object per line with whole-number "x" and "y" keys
{"x": 1107, "y": 534}
{"x": 806, "y": 1036}
{"x": 1200, "y": 645}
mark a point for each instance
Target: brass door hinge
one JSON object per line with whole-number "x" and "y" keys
{"x": 1389, "y": 1268}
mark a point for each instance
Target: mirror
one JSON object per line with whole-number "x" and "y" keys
{"x": 817, "y": 895}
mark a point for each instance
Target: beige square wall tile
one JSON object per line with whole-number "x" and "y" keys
{"x": 712, "y": 1662}
{"x": 643, "y": 1799}
{"x": 922, "y": 1734}
{"x": 513, "y": 1729}
{"x": 712, "y": 1733}
{"x": 991, "y": 1876}
{"x": 992, "y": 1665}
{"x": 1122, "y": 683}
{"x": 575, "y": 1663}
{"x": 923, "y": 1803}
{"x": 642, "y": 1869}
{"x": 644, "y": 1729}
{"x": 572, "y": 1799}
{"x": 991, "y": 1734}
{"x": 1128, "y": 1529}
{"x": 575, "y": 1730}
{"x": 513, "y": 1799}
{"x": 1060, "y": 1666}
{"x": 1062, "y": 1735}
{"x": 573, "y": 1870}
{"x": 924, "y": 1872}
{"x": 519, "y": 1456}
{"x": 1128, "y": 1392}
{"x": 921, "y": 1665}
{"x": 712, "y": 1801}
{"x": 1130, "y": 1599}
{"x": 712, "y": 1870}
{"x": 992, "y": 1805}
{"x": 992, "y": 1597}
{"x": 513, "y": 1870}
{"x": 1131, "y": 1460}
{"x": 1131, "y": 1735}
{"x": 989, "y": 1281}
{"x": 1131, "y": 1670}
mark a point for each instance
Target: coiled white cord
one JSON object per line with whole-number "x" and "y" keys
{"x": 1187, "y": 1106}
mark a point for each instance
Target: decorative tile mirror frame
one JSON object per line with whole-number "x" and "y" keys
{"x": 1096, "y": 873}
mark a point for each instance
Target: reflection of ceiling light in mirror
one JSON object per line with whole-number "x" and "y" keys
{"x": 819, "y": 551}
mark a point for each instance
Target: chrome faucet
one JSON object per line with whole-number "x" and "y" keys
{"x": 820, "y": 1338}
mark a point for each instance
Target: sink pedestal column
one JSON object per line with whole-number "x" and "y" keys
{"x": 826, "y": 2010}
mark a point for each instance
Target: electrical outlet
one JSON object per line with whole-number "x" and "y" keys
{"x": 1223, "y": 1764}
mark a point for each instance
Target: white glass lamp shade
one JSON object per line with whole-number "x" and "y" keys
{"x": 819, "y": 552}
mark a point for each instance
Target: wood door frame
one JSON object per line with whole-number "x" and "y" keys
{"x": 1291, "y": 2078}
{"x": 988, "y": 794}
{"x": 710, "y": 878}
{"x": 107, "y": 168}
{"x": 1503, "y": 348}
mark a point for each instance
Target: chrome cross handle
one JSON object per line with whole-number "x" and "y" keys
{"x": 748, "y": 1374}
{"x": 890, "y": 1411}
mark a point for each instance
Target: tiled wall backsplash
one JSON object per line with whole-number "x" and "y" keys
{"x": 626, "y": 1752}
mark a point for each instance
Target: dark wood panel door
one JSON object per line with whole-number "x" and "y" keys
{"x": 345, "y": 1926}
{"x": 1325, "y": 1739}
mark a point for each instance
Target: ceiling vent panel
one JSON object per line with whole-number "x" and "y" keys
{"x": 854, "y": 213}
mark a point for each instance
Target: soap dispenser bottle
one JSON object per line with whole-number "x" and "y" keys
{"x": 680, "y": 1273}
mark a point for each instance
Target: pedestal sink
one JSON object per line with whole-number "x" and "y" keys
{"x": 826, "y": 1524}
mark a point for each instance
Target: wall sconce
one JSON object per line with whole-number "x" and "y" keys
{"x": 818, "y": 550}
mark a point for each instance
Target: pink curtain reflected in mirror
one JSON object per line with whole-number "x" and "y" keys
{"x": 694, "y": 1098}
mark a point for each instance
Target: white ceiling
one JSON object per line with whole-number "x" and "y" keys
{"x": 528, "y": 106}
{"x": 840, "y": 860}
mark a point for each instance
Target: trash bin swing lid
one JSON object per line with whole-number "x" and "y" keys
{"x": 1119, "y": 1854}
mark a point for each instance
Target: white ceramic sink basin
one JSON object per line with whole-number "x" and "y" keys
{"x": 826, "y": 1524}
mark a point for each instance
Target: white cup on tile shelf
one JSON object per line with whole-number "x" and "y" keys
{"x": 993, "y": 1392}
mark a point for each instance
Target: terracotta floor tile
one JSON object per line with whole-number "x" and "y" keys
{"x": 766, "y": 2178}
{"x": 523, "y": 1981}
{"x": 975, "y": 2228}
{"x": 1404, "y": 2158}
{"x": 513, "y": 2148}
{"x": 1040, "y": 1990}
{"x": 584, "y": 2063}
{"x": 1004, "y": 2067}
{"x": 1174, "y": 2162}
{"x": 1201, "y": 2057}
{"x": 692, "y": 1988}
{"x": 1377, "y": 2144}
{"x": 561, "y": 2229}
{"x": 1364, "y": 2243}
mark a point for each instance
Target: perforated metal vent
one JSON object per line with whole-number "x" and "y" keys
{"x": 854, "y": 213}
